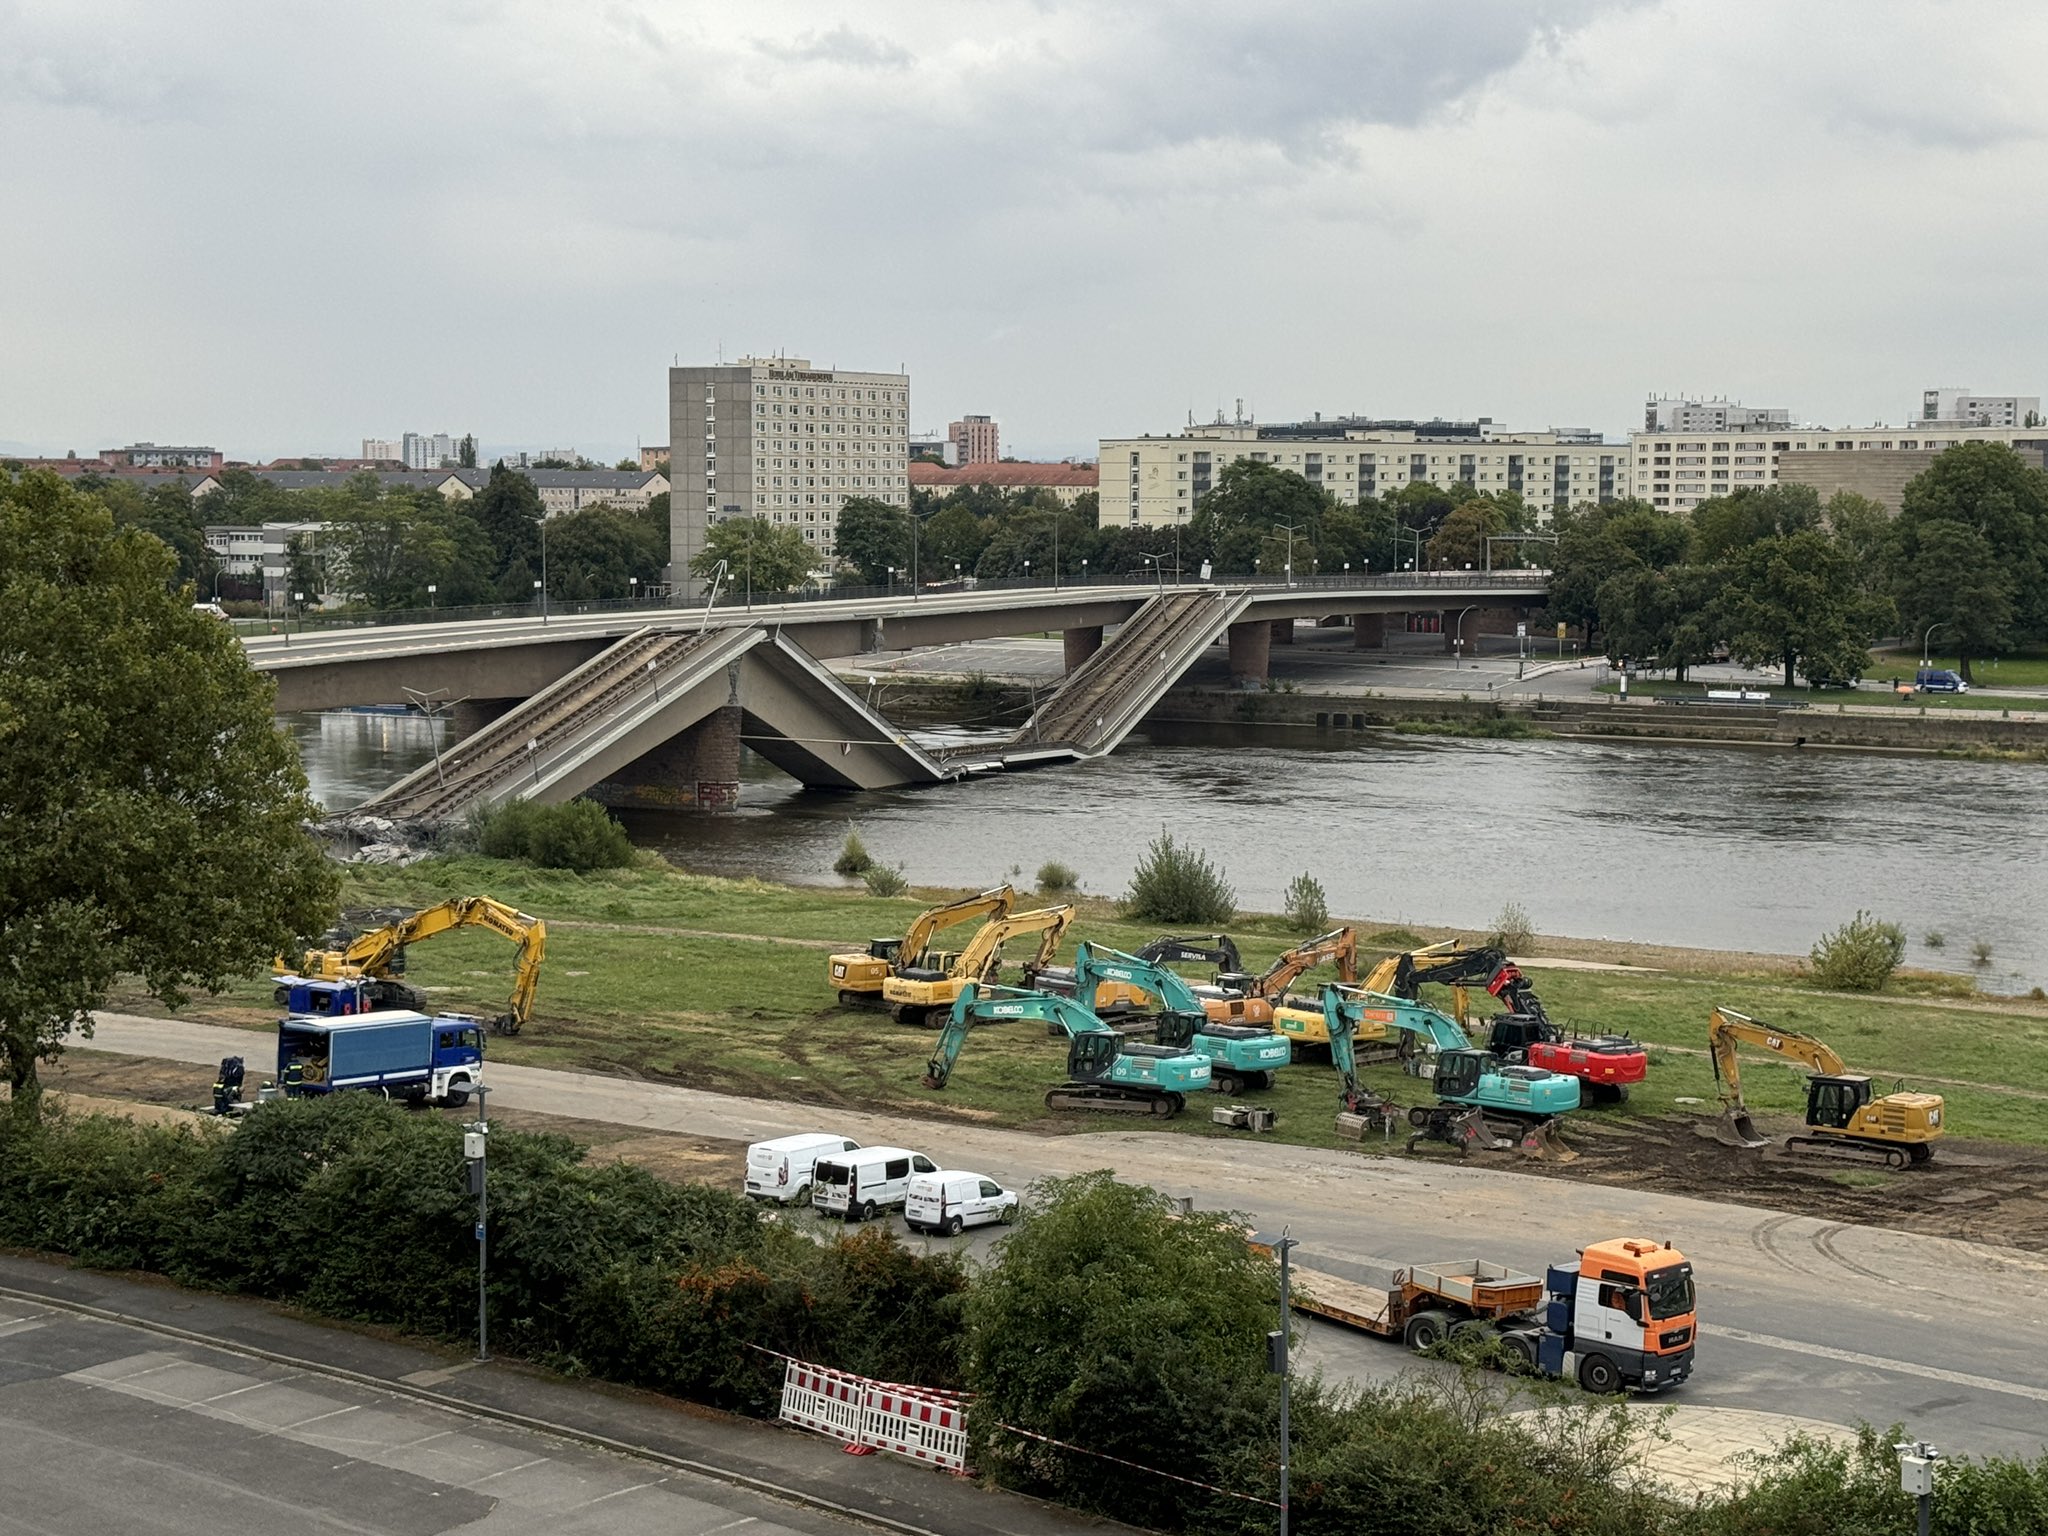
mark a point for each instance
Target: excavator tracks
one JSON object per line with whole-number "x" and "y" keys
{"x": 1106, "y": 1100}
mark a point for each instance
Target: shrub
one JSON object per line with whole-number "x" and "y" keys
{"x": 1173, "y": 884}
{"x": 1859, "y": 956}
{"x": 579, "y": 836}
{"x": 881, "y": 880}
{"x": 1511, "y": 929}
{"x": 854, "y": 859}
{"x": 1306, "y": 908}
{"x": 1980, "y": 951}
{"x": 1057, "y": 879}
{"x": 1934, "y": 939}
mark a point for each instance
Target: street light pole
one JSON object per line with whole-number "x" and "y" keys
{"x": 543, "y": 583}
{"x": 1927, "y": 635}
{"x": 1276, "y": 1363}
{"x": 1458, "y": 644}
{"x": 475, "y": 1144}
{"x": 1291, "y": 530}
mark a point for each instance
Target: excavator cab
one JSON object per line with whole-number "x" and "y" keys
{"x": 1092, "y": 1057}
{"x": 884, "y": 949}
{"x": 1458, "y": 1072}
{"x": 1833, "y": 1101}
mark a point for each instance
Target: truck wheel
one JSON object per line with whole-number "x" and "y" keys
{"x": 1426, "y": 1330}
{"x": 953, "y": 1225}
{"x": 1518, "y": 1352}
{"x": 1418, "y": 1116}
{"x": 1599, "y": 1375}
{"x": 455, "y": 1098}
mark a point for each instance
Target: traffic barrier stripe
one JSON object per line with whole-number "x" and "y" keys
{"x": 926, "y": 1426}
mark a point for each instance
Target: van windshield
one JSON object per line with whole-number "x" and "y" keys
{"x": 831, "y": 1173}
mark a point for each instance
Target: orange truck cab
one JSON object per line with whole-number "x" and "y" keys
{"x": 1624, "y": 1317}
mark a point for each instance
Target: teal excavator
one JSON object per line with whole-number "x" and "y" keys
{"x": 1240, "y": 1056}
{"x": 1105, "y": 1072}
{"x": 1521, "y": 1104}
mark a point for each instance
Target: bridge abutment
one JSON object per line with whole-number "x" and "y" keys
{"x": 1079, "y": 644}
{"x": 696, "y": 768}
{"x": 1251, "y": 652}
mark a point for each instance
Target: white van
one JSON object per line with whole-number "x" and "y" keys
{"x": 780, "y": 1170}
{"x": 858, "y": 1184}
{"x": 951, "y": 1199}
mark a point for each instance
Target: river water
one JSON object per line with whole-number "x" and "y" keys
{"x": 1728, "y": 848}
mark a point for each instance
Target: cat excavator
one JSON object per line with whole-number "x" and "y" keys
{"x": 1106, "y": 1073}
{"x": 1841, "y": 1115}
{"x": 857, "y": 975}
{"x": 915, "y": 993}
{"x": 362, "y": 971}
{"x": 1241, "y": 1056}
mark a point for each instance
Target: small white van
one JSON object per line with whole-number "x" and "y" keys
{"x": 857, "y": 1184}
{"x": 951, "y": 1199}
{"x": 781, "y": 1170}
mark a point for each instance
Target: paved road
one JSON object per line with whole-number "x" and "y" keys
{"x": 107, "y": 1427}
{"x": 1801, "y": 1316}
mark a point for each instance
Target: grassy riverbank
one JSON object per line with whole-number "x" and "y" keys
{"x": 721, "y": 984}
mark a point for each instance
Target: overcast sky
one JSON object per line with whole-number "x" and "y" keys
{"x": 280, "y": 228}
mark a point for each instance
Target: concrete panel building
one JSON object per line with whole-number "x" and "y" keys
{"x": 1880, "y": 474}
{"x": 1682, "y": 414}
{"x": 975, "y": 440}
{"x": 1159, "y": 481}
{"x": 156, "y": 456}
{"x": 571, "y": 490}
{"x": 1677, "y": 471}
{"x": 1959, "y": 407}
{"x": 776, "y": 438}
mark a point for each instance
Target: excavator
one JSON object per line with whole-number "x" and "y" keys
{"x": 1841, "y": 1116}
{"x": 362, "y": 973}
{"x": 1106, "y": 1073}
{"x": 1217, "y": 950}
{"x": 858, "y": 975}
{"x": 915, "y": 993}
{"x": 1521, "y": 1104}
{"x": 1256, "y": 1000}
{"x": 1302, "y": 1019}
{"x": 1240, "y": 1056}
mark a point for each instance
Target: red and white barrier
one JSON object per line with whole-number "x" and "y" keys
{"x": 917, "y": 1422}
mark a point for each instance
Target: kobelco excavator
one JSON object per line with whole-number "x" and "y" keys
{"x": 363, "y": 972}
{"x": 1112, "y": 998}
{"x": 915, "y": 993}
{"x": 1105, "y": 1072}
{"x": 857, "y": 975}
{"x": 1841, "y": 1115}
{"x": 1240, "y": 1055}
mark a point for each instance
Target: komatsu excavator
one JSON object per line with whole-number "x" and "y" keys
{"x": 1841, "y": 1115}
{"x": 915, "y": 993}
{"x": 363, "y": 971}
{"x": 857, "y": 975}
{"x": 1106, "y": 1073}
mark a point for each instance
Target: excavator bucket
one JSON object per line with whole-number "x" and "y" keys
{"x": 1735, "y": 1129}
{"x": 1544, "y": 1141}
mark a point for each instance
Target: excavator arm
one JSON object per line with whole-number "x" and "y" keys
{"x": 376, "y": 953}
{"x": 1490, "y": 968}
{"x": 1727, "y": 1030}
{"x": 982, "y": 1004}
{"x": 1095, "y": 964}
{"x": 1338, "y": 947}
{"x": 1213, "y": 949}
{"x": 926, "y": 926}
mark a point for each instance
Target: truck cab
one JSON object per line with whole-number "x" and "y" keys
{"x": 1625, "y": 1317}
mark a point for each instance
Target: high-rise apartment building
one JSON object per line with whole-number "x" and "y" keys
{"x": 1679, "y": 414}
{"x": 1959, "y": 407}
{"x": 975, "y": 440}
{"x": 775, "y": 438}
{"x": 384, "y": 448}
{"x": 1159, "y": 481}
{"x": 421, "y": 451}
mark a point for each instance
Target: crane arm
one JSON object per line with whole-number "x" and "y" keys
{"x": 1096, "y": 963}
{"x": 1338, "y": 947}
{"x": 979, "y": 1003}
{"x": 1727, "y": 1029}
{"x": 917, "y": 938}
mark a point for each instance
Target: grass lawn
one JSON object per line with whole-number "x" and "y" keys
{"x": 647, "y": 973}
{"x": 1822, "y": 699}
{"x": 2023, "y": 669}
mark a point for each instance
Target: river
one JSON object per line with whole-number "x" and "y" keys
{"x": 1724, "y": 848}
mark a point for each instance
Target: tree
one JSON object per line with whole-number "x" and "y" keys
{"x": 465, "y": 452}
{"x": 1249, "y": 503}
{"x": 508, "y": 510}
{"x": 655, "y": 520}
{"x": 1725, "y": 524}
{"x": 1460, "y": 539}
{"x": 1792, "y": 598}
{"x": 599, "y": 551}
{"x": 1597, "y": 543}
{"x": 872, "y": 536}
{"x": 1989, "y": 489}
{"x": 303, "y": 571}
{"x": 1947, "y": 575}
{"x": 153, "y": 805}
{"x": 758, "y": 556}
{"x": 953, "y": 534}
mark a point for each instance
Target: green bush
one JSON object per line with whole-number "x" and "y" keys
{"x": 1859, "y": 956}
{"x": 854, "y": 859}
{"x": 1512, "y": 930}
{"x": 1307, "y": 909}
{"x": 881, "y": 880}
{"x": 1057, "y": 879}
{"x": 1174, "y": 884}
{"x": 579, "y": 836}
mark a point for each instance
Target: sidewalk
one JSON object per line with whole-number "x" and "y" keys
{"x": 807, "y": 1468}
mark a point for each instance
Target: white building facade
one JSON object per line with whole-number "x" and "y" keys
{"x": 1961, "y": 408}
{"x": 1676, "y": 471}
{"x": 778, "y": 439}
{"x": 1150, "y": 482}
{"x": 1681, "y": 414}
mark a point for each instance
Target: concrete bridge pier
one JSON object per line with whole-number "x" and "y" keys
{"x": 1251, "y": 652}
{"x": 1081, "y": 643}
{"x": 1368, "y": 631}
{"x": 698, "y": 767}
{"x": 468, "y": 716}
{"x": 1283, "y": 632}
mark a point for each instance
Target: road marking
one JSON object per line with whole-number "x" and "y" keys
{"x": 21, "y": 1325}
{"x": 1880, "y": 1363}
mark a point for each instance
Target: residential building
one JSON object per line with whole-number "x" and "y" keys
{"x": 455, "y": 484}
{"x": 1958, "y": 407}
{"x": 1676, "y": 471}
{"x": 529, "y": 458}
{"x": 1681, "y": 414}
{"x": 652, "y": 459}
{"x": 145, "y": 480}
{"x": 384, "y": 448}
{"x": 1158, "y": 481}
{"x": 1879, "y": 473}
{"x": 571, "y": 490}
{"x": 1068, "y": 482}
{"x": 153, "y": 456}
{"x": 934, "y": 445}
{"x": 784, "y": 441}
{"x": 419, "y": 450}
{"x": 261, "y": 553}
{"x": 975, "y": 440}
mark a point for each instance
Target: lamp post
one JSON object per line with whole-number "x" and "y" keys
{"x": 1084, "y": 570}
{"x": 1458, "y": 643}
{"x": 1276, "y": 1364}
{"x": 540, "y": 596}
{"x": 632, "y": 590}
{"x": 1927, "y": 635}
{"x": 1291, "y": 530}
{"x": 543, "y": 582}
{"x": 890, "y": 589}
{"x": 1027, "y": 573}
{"x": 475, "y": 1144}
{"x": 431, "y": 590}
{"x": 1158, "y": 568}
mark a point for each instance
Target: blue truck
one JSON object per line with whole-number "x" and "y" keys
{"x": 403, "y": 1055}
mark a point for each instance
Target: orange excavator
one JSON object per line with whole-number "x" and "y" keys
{"x": 1240, "y": 999}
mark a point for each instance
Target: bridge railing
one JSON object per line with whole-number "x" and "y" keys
{"x": 321, "y": 620}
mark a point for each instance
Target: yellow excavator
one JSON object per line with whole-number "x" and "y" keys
{"x": 858, "y": 974}
{"x": 1257, "y": 1000}
{"x": 915, "y": 993}
{"x": 366, "y": 966}
{"x": 1841, "y": 1115}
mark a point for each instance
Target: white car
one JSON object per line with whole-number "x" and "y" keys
{"x": 953, "y": 1198}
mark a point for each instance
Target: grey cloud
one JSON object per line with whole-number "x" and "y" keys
{"x": 843, "y": 46}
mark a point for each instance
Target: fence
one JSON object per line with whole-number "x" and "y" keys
{"x": 918, "y": 1422}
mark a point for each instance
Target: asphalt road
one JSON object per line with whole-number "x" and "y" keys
{"x": 1799, "y": 1316}
{"x": 107, "y": 1427}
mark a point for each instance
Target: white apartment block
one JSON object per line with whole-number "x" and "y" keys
{"x": 421, "y": 450}
{"x": 1680, "y": 414}
{"x": 1677, "y": 471}
{"x": 1958, "y": 407}
{"x": 384, "y": 448}
{"x": 1158, "y": 481}
{"x": 783, "y": 441}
